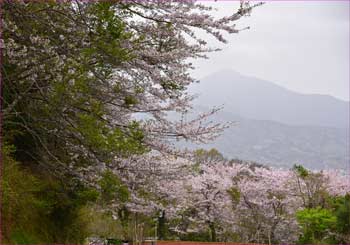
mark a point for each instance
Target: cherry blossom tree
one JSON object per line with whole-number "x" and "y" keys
{"x": 338, "y": 182}
{"x": 208, "y": 198}
{"x": 88, "y": 86}
{"x": 77, "y": 75}
{"x": 224, "y": 200}
{"x": 266, "y": 209}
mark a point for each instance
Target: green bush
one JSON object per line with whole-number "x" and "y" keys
{"x": 316, "y": 224}
{"x": 37, "y": 208}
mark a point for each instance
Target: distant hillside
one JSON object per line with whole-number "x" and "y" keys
{"x": 275, "y": 126}
{"x": 278, "y": 144}
{"x": 257, "y": 99}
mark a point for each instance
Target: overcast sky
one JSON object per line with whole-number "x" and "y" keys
{"x": 303, "y": 46}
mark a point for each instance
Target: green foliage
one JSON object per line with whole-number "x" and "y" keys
{"x": 21, "y": 236}
{"x": 30, "y": 200}
{"x": 69, "y": 104}
{"x": 316, "y": 224}
{"x": 20, "y": 204}
{"x": 208, "y": 156}
{"x": 112, "y": 188}
{"x": 163, "y": 229}
{"x": 114, "y": 241}
{"x": 171, "y": 86}
{"x": 110, "y": 30}
{"x": 312, "y": 187}
{"x": 59, "y": 91}
{"x": 100, "y": 224}
{"x": 130, "y": 100}
{"x": 343, "y": 214}
{"x": 341, "y": 209}
{"x": 235, "y": 194}
{"x": 301, "y": 171}
{"x": 196, "y": 236}
{"x": 103, "y": 139}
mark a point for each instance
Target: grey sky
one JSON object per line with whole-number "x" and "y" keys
{"x": 303, "y": 46}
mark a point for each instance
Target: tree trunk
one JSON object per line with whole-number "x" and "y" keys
{"x": 162, "y": 226}
{"x": 212, "y": 231}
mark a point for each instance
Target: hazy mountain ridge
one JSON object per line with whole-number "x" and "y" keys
{"x": 258, "y": 99}
{"x": 271, "y": 131}
{"x": 278, "y": 144}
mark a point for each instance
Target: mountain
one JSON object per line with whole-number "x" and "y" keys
{"x": 258, "y": 99}
{"x": 275, "y": 126}
{"x": 277, "y": 144}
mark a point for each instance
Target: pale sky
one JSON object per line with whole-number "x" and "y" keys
{"x": 302, "y": 46}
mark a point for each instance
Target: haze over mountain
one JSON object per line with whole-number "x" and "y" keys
{"x": 276, "y": 126}
{"x": 263, "y": 100}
